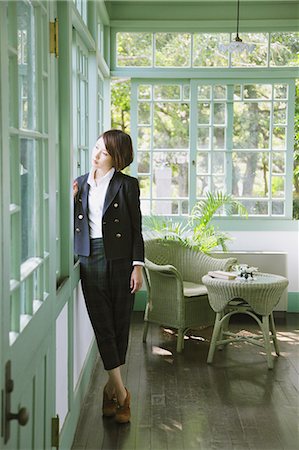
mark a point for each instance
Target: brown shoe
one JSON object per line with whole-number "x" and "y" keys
{"x": 109, "y": 405}
{"x": 123, "y": 413}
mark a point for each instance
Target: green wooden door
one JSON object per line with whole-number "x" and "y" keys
{"x": 28, "y": 230}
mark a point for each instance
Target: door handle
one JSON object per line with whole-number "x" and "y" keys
{"x": 22, "y": 416}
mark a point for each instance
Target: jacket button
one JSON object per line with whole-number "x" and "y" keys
{"x": 104, "y": 223}
{"x": 115, "y": 205}
{"x": 118, "y": 235}
{"x": 80, "y": 200}
{"x": 116, "y": 220}
{"x": 80, "y": 216}
{"x": 78, "y": 230}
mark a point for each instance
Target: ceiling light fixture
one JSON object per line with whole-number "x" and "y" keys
{"x": 237, "y": 45}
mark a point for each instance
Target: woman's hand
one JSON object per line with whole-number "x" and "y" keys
{"x": 75, "y": 188}
{"x": 136, "y": 279}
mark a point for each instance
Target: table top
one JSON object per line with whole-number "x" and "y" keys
{"x": 262, "y": 293}
{"x": 258, "y": 279}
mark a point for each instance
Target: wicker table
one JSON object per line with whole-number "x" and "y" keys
{"x": 256, "y": 297}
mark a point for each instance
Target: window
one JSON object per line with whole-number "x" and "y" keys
{"x": 172, "y": 49}
{"x": 81, "y": 6}
{"x": 80, "y": 67}
{"x": 163, "y": 147}
{"x": 231, "y": 136}
{"x": 28, "y": 150}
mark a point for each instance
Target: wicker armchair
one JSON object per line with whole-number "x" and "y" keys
{"x": 176, "y": 296}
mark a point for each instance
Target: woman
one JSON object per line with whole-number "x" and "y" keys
{"x": 110, "y": 246}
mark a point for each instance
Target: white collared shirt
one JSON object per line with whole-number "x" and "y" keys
{"x": 96, "y": 198}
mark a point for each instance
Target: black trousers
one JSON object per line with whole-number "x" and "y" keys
{"x": 109, "y": 302}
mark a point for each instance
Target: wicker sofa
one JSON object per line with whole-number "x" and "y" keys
{"x": 176, "y": 297}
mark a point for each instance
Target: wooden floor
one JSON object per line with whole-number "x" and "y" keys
{"x": 181, "y": 403}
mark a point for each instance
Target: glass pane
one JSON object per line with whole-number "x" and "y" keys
{"x": 27, "y": 65}
{"x": 279, "y": 138}
{"x": 259, "y": 55}
{"x": 219, "y": 92}
{"x": 257, "y": 91}
{"x": 218, "y": 160}
{"x": 219, "y": 113}
{"x": 144, "y": 92}
{"x": 204, "y": 92}
{"x": 281, "y": 91}
{"x": 186, "y": 92}
{"x": 206, "y": 51}
{"x": 144, "y": 138}
{"x": 251, "y": 125}
{"x": 278, "y": 208}
{"x": 284, "y": 48}
{"x": 250, "y": 174}
{"x": 279, "y": 113}
{"x": 134, "y": 49}
{"x": 145, "y": 206}
{"x": 202, "y": 186}
{"x": 143, "y": 161}
{"x": 278, "y": 188}
{"x": 238, "y": 90}
{"x": 144, "y": 185}
{"x": 203, "y": 138}
{"x": 217, "y": 184}
{"x": 185, "y": 207}
{"x": 29, "y": 198}
{"x": 167, "y": 92}
{"x": 278, "y": 162}
{"x": 165, "y": 207}
{"x": 172, "y": 49}
{"x": 144, "y": 113}
{"x": 218, "y": 138}
{"x": 204, "y": 113}
{"x": 171, "y": 125}
{"x": 256, "y": 207}
{"x": 202, "y": 163}
{"x": 170, "y": 174}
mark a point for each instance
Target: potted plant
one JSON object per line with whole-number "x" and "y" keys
{"x": 198, "y": 233}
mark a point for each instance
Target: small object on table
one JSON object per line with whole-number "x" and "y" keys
{"x": 244, "y": 271}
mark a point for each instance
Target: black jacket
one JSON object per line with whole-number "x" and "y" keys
{"x": 121, "y": 220}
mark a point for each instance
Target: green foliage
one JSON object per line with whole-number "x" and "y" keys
{"x": 198, "y": 233}
{"x": 120, "y": 104}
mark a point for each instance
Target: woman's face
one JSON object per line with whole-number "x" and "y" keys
{"x": 100, "y": 158}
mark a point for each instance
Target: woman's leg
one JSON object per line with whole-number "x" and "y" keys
{"x": 116, "y": 386}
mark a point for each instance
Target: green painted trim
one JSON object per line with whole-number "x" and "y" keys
{"x": 293, "y": 302}
{"x": 275, "y": 74}
{"x": 220, "y": 26}
{"x": 256, "y": 224}
{"x": 140, "y": 301}
{"x": 69, "y": 427}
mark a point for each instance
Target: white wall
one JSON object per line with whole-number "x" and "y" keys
{"x": 272, "y": 241}
{"x": 83, "y": 333}
{"x": 62, "y": 365}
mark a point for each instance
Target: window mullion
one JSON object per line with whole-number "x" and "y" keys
{"x": 193, "y": 144}
{"x": 229, "y": 138}
{"x": 289, "y": 149}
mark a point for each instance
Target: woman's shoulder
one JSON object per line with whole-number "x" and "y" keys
{"x": 82, "y": 178}
{"x": 127, "y": 178}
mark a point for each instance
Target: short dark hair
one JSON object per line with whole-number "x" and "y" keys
{"x": 120, "y": 148}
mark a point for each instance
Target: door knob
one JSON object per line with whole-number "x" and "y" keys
{"x": 22, "y": 416}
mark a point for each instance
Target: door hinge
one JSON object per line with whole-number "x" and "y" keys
{"x": 55, "y": 432}
{"x": 54, "y": 37}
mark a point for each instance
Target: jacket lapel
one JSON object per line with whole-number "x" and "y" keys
{"x": 113, "y": 188}
{"x": 84, "y": 192}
